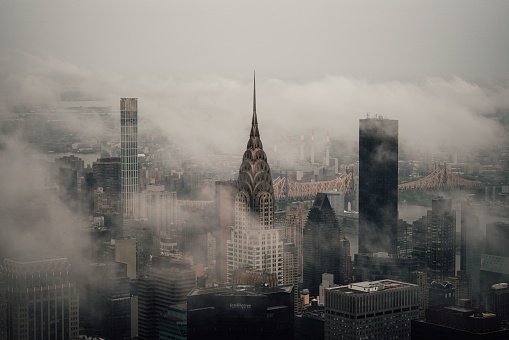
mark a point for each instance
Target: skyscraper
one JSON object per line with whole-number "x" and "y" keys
{"x": 42, "y": 301}
{"x": 370, "y": 310}
{"x": 168, "y": 282}
{"x": 497, "y": 239}
{"x": 224, "y": 199}
{"x": 470, "y": 260}
{"x": 440, "y": 240}
{"x": 129, "y": 153}
{"x": 107, "y": 172}
{"x": 378, "y": 185}
{"x": 321, "y": 244}
{"x": 254, "y": 242}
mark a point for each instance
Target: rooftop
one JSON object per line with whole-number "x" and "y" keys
{"x": 241, "y": 290}
{"x": 372, "y": 286}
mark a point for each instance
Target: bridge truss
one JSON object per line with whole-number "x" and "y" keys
{"x": 286, "y": 189}
{"x": 441, "y": 178}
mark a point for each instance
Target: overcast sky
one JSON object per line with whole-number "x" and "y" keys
{"x": 440, "y": 64}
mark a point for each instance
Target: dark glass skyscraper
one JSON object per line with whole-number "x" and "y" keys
{"x": 440, "y": 240}
{"x": 470, "y": 247}
{"x": 321, "y": 244}
{"x": 378, "y": 185}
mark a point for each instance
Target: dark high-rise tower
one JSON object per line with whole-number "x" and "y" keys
{"x": 440, "y": 240}
{"x": 321, "y": 244}
{"x": 470, "y": 260}
{"x": 129, "y": 153}
{"x": 378, "y": 185}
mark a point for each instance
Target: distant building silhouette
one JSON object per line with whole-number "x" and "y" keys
{"x": 321, "y": 244}
{"x": 470, "y": 260}
{"x": 225, "y": 209}
{"x": 105, "y": 295}
{"x": 378, "y": 185}
{"x": 440, "y": 240}
{"x": 107, "y": 174}
{"x": 497, "y": 239}
{"x": 378, "y": 266}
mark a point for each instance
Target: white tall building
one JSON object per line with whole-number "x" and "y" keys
{"x": 254, "y": 242}
{"x": 129, "y": 154}
{"x": 159, "y": 208}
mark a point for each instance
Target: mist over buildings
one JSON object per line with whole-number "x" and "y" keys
{"x": 440, "y": 69}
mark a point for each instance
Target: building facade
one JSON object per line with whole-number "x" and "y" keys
{"x": 42, "y": 301}
{"x": 167, "y": 283}
{"x": 225, "y": 202}
{"x": 470, "y": 260}
{"x": 244, "y": 312}
{"x": 441, "y": 240}
{"x": 377, "y": 266}
{"x": 254, "y": 242}
{"x": 370, "y": 310}
{"x": 454, "y": 322}
{"x": 378, "y": 185}
{"x": 105, "y": 308}
{"x": 107, "y": 185}
{"x": 321, "y": 244}
{"x": 129, "y": 154}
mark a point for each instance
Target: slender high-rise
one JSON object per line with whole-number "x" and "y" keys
{"x": 254, "y": 242}
{"x": 321, "y": 244}
{"x": 470, "y": 260}
{"x": 129, "y": 153}
{"x": 378, "y": 185}
{"x": 441, "y": 240}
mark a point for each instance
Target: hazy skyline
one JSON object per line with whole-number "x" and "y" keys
{"x": 320, "y": 65}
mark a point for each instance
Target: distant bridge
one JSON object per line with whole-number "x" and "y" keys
{"x": 441, "y": 178}
{"x": 286, "y": 189}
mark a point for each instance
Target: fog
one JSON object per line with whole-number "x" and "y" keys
{"x": 439, "y": 68}
{"x": 213, "y": 111}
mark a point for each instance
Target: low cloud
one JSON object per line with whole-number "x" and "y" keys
{"x": 214, "y": 112}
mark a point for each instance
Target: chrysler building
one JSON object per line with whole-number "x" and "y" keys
{"x": 254, "y": 243}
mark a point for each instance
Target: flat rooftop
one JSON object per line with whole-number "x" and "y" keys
{"x": 367, "y": 287}
{"x": 241, "y": 290}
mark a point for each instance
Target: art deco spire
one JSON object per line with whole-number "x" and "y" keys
{"x": 254, "y": 172}
{"x": 254, "y": 121}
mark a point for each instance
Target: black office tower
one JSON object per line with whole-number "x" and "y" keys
{"x": 378, "y": 185}
{"x": 321, "y": 244}
{"x": 470, "y": 247}
{"x": 241, "y": 312}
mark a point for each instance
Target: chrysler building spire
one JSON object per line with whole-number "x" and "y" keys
{"x": 254, "y": 242}
{"x": 254, "y": 122}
